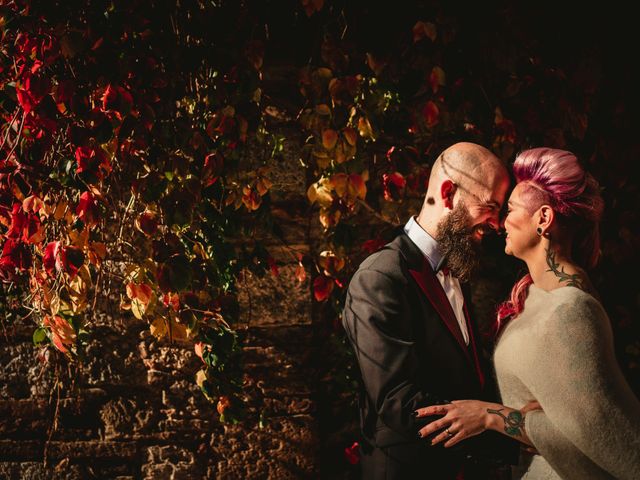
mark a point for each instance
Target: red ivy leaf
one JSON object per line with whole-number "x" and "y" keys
{"x": 117, "y": 99}
{"x": 273, "y": 266}
{"x": 393, "y": 184}
{"x": 322, "y": 288}
{"x": 372, "y": 246}
{"x": 18, "y": 221}
{"x": 147, "y": 223}
{"x": 71, "y": 259}
{"x": 92, "y": 161}
{"x": 15, "y": 254}
{"x": 352, "y": 453}
{"x": 87, "y": 209}
{"x": 50, "y": 257}
{"x": 213, "y": 164}
{"x": 431, "y": 114}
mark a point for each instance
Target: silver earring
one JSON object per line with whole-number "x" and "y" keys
{"x": 539, "y": 231}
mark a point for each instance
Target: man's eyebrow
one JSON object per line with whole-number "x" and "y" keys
{"x": 491, "y": 204}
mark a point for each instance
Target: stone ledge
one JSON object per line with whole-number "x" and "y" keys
{"x": 93, "y": 449}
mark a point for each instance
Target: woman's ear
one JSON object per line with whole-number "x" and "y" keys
{"x": 546, "y": 216}
{"x": 447, "y": 191}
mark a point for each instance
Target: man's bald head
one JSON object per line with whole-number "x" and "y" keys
{"x": 472, "y": 167}
{"x": 470, "y": 173}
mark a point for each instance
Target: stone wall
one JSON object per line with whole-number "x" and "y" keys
{"x": 134, "y": 411}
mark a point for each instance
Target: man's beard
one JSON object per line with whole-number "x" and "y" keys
{"x": 457, "y": 244}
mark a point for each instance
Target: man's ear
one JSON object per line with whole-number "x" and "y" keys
{"x": 447, "y": 191}
{"x": 546, "y": 216}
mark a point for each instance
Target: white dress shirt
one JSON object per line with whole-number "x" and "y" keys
{"x": 429, "y": 248}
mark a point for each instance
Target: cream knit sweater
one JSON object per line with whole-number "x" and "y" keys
{"x": 559, "y": 351}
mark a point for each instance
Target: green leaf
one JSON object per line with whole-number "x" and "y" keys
{"x": 39, "y": 336}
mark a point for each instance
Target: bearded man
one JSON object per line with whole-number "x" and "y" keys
{"x": 407, "y": 318}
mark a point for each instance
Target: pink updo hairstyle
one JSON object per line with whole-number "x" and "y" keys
{"x": 554, "y": 177}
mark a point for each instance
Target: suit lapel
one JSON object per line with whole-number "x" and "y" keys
{"x": 425, "y": 277}
{"x": 431, "y": 287}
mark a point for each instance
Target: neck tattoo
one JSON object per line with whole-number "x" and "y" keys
{"x": 572, "y": 280}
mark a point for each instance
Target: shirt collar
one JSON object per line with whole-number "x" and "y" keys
{"x": 425, "y": 242}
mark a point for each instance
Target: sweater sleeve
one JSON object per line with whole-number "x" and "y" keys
{"x": 584, "y": 396}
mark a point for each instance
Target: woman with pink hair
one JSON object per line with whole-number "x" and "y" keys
{"x": 563, "y": 390}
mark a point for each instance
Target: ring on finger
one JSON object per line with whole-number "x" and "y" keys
{"x": 449, "y": 433}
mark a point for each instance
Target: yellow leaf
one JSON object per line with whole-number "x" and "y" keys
{"x": 364, "y": 127}
{"x": 199, "y": 249}
{"x": 318, "y": 192}
{"x": 138, "y": 308}
{"x": 79, "y": 239}
{"x": 158, "y": 327}
{"x": 54, "y": 304}
{"x": 178, "y": 331}
{"x": 201, "y": 377}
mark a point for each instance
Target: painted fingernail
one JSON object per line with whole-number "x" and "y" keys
{"x": 419, "y": 435}
{"x": 414, "y": 414}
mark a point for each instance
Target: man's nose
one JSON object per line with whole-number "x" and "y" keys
{"x": 495, "y": 222}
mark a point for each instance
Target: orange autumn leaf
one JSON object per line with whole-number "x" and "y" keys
{"x": 171, "y": 300}
{"x": 223, "y": 404}
{"x": 62, "y": 333}
{"x": 357, "y": 186}
{"x": 350, "y": 135}
{"x": 424, "y": 30}
{"x": 329, "y": 138}
{"x": 339, "y": 183}
{"x": 300, "y": 273}
{"x": 323, "y": 109}
{"x": 312, "y": 6}
{"x": 263, "y": 184}
{"x": 199, "y": 347}
{"x": 251, "y": 198}
{"x": 437, "y": 79}
{"x": 329, "y": 218}
{"x": 97, "y": 253}
{"x": 141, "y": 295}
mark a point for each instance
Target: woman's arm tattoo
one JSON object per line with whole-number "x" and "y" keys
{"x": 513, "y": 423}
{"x": 572, "y": 280}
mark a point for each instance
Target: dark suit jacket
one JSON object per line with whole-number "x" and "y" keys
{"x": 411, "y": 354}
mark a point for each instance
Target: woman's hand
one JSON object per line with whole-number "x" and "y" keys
{"x": 462, "y": 419}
